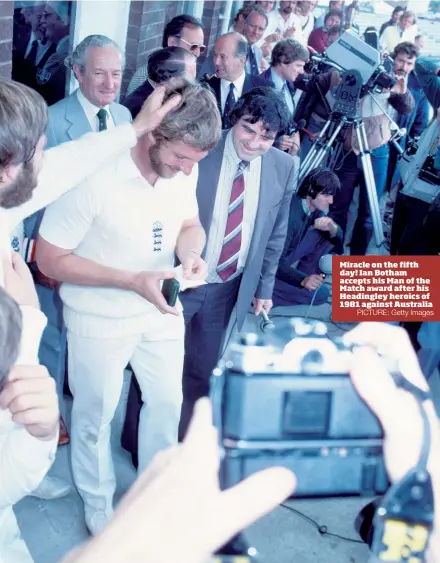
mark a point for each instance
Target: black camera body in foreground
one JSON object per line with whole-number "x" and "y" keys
{"x": 287, "y": 399}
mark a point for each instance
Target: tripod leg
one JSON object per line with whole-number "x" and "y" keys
{"x": 318, "y": 155}
{"x": 370, "y": 182}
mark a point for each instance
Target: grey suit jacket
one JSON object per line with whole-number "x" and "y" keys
{"x": 67, "y": 120}
{"x": 278, "y": 175}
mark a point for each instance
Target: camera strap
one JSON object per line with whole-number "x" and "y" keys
{"x": 405, "y": 517}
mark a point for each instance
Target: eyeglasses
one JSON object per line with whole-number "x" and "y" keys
{"x": 194, "y": 46}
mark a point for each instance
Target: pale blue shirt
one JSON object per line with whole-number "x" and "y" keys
{"x": 281, "y": 86}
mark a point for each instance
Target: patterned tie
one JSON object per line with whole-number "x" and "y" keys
{"x": 228, "y": 261}
{"x": 230, "y": 103}
{"x": 102, "y": 116}
{"x": 253, "y": 62}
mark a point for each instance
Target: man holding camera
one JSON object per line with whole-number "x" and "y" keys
{"x": 287, "y": 64}
{"x": 111, "y": 242}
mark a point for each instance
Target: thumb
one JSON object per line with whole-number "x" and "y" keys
{"x": 165, "y": 275}
{"x": 18, "y": 264}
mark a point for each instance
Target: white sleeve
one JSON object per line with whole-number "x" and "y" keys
{"x": 66, "y": 222}
{"x": 24, "y": 459}
{"x": 66, "y": 165}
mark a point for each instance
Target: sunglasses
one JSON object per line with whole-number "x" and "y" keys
{"x": 194, "y": 46}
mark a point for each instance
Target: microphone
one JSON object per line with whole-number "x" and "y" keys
{"x": 266, "y": 323}
{"x": 325, "y": 264}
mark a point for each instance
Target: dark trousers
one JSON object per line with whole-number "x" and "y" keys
{"x": 312, "y": 246}
{"x": 207, "y": 311}
{"x": 407, "y": 225}
{"x": 351, "y": 174}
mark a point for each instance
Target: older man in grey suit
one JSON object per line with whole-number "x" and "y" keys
{"x": 256, "y": 23}
{"x": 98, "y": 64}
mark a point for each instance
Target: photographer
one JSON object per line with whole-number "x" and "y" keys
{"x": 348, "y": 164}
{"x": 310, "y": 235}
{"x": 288, "y": 60}
{"x": 176, "y": 512}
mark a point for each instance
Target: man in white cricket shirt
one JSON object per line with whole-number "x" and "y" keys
{"x": 110, "y": 242}
{"x": 29, "y": 406}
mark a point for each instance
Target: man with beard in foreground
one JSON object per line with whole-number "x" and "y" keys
{"x": 29, "y": 411}
{"x": 111, "y": 242}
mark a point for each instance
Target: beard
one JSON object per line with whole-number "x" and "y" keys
{"x": 158, "y": 167}
{"x": 20, "y": 190}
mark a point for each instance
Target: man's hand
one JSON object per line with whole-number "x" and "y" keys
{"x": 296, "y": 142}
{"x": 401, "y": 85}
{"x": 290, "y": 32}
{"x": 181, "y": 488}
{"x": 260, "y": 304}
{"x": 154, "y": 110}
{"x": 273, "y": 38}
{"x": 326, "y": 224}
{"x": 285, "y": 143}
{"x": 264, "y": 65}
{"x": 148, "y": 286}
{"x": 18, "y": 281}
{"x": 312, "y": 282}
{"x": 30, "y": 395}
{"x": 193, "y": 266}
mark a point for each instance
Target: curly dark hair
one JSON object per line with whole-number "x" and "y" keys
{"x": 262, "y": 104}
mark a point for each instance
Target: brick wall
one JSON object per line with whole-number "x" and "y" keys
{"x": 146, "y": 23}
{"x": 145, "y": 29}
{"x": 6, "y": 13}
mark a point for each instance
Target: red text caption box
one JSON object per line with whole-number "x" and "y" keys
{"x": 386, "y": 288}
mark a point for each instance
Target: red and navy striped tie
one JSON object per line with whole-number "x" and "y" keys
{"x": 228, "y": 261}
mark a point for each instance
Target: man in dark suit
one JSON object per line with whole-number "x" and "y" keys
{"x": 162, "y": 65}
{"x": 244, "y": 191}
{"x": 231, "y": 80}
{"x": 287, "y": 64}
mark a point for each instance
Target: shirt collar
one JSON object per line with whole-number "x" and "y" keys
{"x": 63, "y": 44}
{"x": 277, "y": 80}
{"x": 306, "y": 208}
{"x": 89, "y": 109}
{"x": 238, "y": 83}
{"x": 230, "y": 151}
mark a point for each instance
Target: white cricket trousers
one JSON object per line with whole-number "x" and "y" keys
{"x": 96, "y": 372}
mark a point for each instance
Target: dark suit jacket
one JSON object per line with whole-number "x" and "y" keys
{"x": 249, "y": 83}
{"x": 278, "y": 178}
{"x": 136, "y": 99}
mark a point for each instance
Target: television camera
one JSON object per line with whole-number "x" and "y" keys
{"x": 364, "y": 71}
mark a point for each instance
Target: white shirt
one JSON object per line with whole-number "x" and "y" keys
{"x": 393, "y": 35}
{"x": 41, "y": 49}
{"x": 252, "y": 175}
{"x": 25, "y": 460}
{"x": 225, "y": 87}
{"x": 277, "y": 24}
{"x": 91, "y": 112}
{"x": 117, "y": 219}
{"x": 307, "y": 25}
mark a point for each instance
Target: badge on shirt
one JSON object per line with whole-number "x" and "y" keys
{"x": 157, "y": 236}
{"x": 43, "y": 76}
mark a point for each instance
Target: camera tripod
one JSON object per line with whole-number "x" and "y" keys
{"x": 345, "y": 114}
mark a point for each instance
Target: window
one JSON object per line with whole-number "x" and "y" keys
{"x": 41, "y": 42}
{"x": 193, "y": 8}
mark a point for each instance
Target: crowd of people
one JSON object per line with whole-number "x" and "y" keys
{"x": 193, "y": 175}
